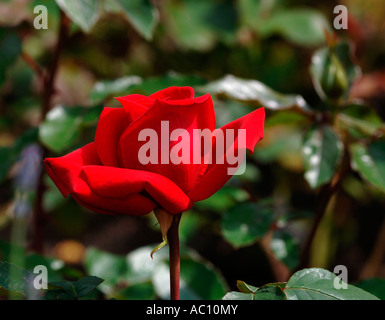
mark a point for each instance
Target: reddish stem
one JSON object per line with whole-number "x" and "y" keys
{"x": 173, "y": 242}
{"x": 39, "y": 217}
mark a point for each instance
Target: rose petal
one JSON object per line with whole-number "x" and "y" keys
{"x": 64, "y": 171}
{"x": 111, "y": 125}
{"x": 174, "y": 93}
{"x": 135, "y": 105}
{"x": 67, "y": 172}
{"x": 190, "y": 114}
{"x": 216, "y": 175}
{"x": 135, "y": 205}
{"x": 117, "y": 183}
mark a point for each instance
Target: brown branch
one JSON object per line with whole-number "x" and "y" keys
{"x": 376, "y": 257}
{"x": 50, "y": 79}
{"x": 39, "y": 216}
{"x": 324, "y": 198}
{"x": 33, "y": 65}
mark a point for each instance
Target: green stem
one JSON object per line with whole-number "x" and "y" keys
{"x": 173, "y": 241}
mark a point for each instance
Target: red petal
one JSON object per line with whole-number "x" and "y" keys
{"x": 216, "y": 175}
{"x": 174, "y": 93}
{"x": 64, "y": 171}
{"x": 135, "y": 105}
{"x": 117, "y": 183}
{"x": 111, "y": 125}
{"x": 190, "y": 114}
{"x": 67, "y": 172}
{"x": 135, "y": 205}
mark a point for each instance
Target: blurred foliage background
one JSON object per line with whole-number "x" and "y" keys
{"x": 313, "y": 191}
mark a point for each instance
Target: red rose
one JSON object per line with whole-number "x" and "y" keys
{"x": 106, "y": 175}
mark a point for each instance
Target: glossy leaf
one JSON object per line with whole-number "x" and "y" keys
{"x": 369, "y": 161}
{"x": 139, "y": 291}
{"x": 63, "y": 125}
{"x": 304, "y": 27}
{"x": 15, "y": 278}
{"x": 375, "y": 286}
{"x": 318, "y": 284}
{"x": 245, "y": 223}
{"x": 272, "y": 291}
{"x": 142, "y": 14}
{"x": 224, "y": 199}
{"x": 333, "y": 71}
{"x": 306, "y": 284}
{"x": 103, "y": 89}
{"x": 254, "y": 92}
{"x": 322, "y": 151}
{"x": 191, "y": 23}
{"x": 67, "y": 290}
{"x": 233, "y": 295}
{"x": 285, "y": 248}
{"x": 245, "y": 288}
{"x": 112, "y": 268}
{"x": 134, "y": 84}
{"x": 83, "y": 13}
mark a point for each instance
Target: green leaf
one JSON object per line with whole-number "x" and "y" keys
{"x": 252, "y": 12}
{"x": 143, "y": 16}
{"x": 189, "y": 25}
{"x": 233, "y": 295}
{"x": 245, "y": 288}
{"x": 285, "y": 248}
{"x": 134, "y": 84}
{"x": 322, "y": 151}
{"x": 15, "y": 278}
{"x": 63, "y": 125}
{"x": 375, "y": 286}
{"x": 253, "y": 92}
{"x": 153, "y": 84}
{"x": 271, "y": 291}
{"x": 318, "y": 284}
{"x": 112, "y": 268}
{"x": 103, "y": 89}
{"x": 245, "y": 223}
{"x": 304, "y": 27}
{"x": 306, "y": 284}
{"x": 83, "y": 13}
{"x": 224, "y": 199}
{"x": 10, "y": 48}
{"x": 139, "y": 291}
{"x": 333, "y": 71}
{"x": 369, "y": 161}
{"x": 73, "y": 290}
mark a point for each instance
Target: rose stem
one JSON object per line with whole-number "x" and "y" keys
{"x": 173, "y": 242}
{"x": 39, "y": 217}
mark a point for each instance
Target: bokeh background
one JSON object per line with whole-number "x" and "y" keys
{"x": 320, "y": 167}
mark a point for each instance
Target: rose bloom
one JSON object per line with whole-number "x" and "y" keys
{"x": 106, "y": 175}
